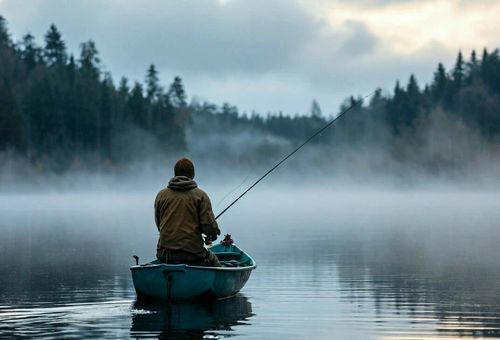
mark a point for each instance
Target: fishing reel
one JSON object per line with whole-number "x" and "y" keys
{"x": 227, "y": 241}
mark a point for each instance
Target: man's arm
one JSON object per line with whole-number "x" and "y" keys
{"x": 208, "y": 224}
{"x": 157, "y": 213}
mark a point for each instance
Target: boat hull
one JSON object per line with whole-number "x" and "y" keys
{"x": 184, "y": 282}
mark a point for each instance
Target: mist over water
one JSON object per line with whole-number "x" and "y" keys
{"x": 383, "y": 226}
{"x": 334, "y": 260}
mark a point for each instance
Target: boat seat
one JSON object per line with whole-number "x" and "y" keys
{"x": 228, "y": 253}
{"x": 228, "y": 256}
{"x": 230, "y": 263}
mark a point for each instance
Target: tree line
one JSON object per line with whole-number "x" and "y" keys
{"x": 59, "y": 108}
{"x": 469, "y": 92}
{"x": 64, "y": 109}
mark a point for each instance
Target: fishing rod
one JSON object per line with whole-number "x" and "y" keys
{"x": 291, "y": 153}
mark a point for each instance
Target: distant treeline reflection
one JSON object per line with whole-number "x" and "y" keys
{"x": 60, "y": 112}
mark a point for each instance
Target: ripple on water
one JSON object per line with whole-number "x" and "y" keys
{"x": 390, "y": 272}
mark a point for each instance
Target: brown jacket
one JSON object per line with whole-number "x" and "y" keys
{"x": 182, "y": 214}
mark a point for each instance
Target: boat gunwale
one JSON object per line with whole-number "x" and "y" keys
{"x": 186, "y": 266}
{"x": 150, "y": 265}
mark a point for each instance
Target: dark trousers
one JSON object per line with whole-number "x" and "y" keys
{"x": 171, "y": 256}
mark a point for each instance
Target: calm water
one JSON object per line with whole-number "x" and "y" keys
{"x": 347, "y": 265}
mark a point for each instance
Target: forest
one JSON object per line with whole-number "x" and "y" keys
{"x": 60, "y": 111}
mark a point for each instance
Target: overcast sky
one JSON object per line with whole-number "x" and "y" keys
{"x": 268, "y": 55}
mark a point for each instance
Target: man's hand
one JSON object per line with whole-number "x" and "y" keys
{"x": 209, "y": 239}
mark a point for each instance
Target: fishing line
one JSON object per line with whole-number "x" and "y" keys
{"x": 239, "y": 186}
{"x": 291, "y": 153}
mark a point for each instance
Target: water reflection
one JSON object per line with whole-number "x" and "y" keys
{"x": 437, "y": 286}
{"x": 342, "y": 270}
{"x": 190, "y": 320}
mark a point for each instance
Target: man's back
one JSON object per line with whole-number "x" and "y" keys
{"x": 182, "y": 213}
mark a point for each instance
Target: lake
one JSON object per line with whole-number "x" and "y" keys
{"x": 332, "y": 263}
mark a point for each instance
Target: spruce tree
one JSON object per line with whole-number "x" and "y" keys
{"x": 412, "y": 87}
{"x": 439, "y": 83}
{"x": 458, "y": 72}
{"x": 30, "y": 53}
{"x": 11, "y": 123}
{"x": 153, "y": 89}
{"x": 471, "y": 70}
{"x": 89, "y": 59}
{"x": 377, "y": 103}
{"x": 315, "y": 109}
{"x": 55, "y": 47}
{"x": 123, "y": 88}
{"x": 177, "y": 94}
{"x": 136, "y": 105}
{"x": 4, "y": 33}
{"x": 414, "y": 101}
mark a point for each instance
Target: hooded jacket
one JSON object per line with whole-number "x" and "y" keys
{"x": 183, "y": 213}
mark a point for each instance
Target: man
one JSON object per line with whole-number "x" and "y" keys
{"x": 182, "y": 214}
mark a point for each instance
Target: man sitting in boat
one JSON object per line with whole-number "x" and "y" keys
{"x": 183, "y": 213}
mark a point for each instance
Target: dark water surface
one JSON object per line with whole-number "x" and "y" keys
{"x": 347, "y": 265}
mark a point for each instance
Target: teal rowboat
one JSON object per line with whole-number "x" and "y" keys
{"x": 179, "y": 282}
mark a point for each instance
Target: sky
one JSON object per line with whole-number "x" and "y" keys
{"x": 268, "y": 55}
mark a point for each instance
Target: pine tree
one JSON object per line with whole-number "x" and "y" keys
{"x": 397, "y": 109}
{"x": 11, "y": 124}
{"x": 414, "y": 101}
{"x": 123, "y": 88}
{"x": 55, "y": 47}
{"x": 89, "y": 59}
{"x": 315, "y": 109}
{"x": 4, "y": 33}
{"x": 377, "y": 103}
{"x": 30, "y": 53}
{"x": 458, "y": 72}
{"x": 89, "y": 101}
{"x": 136, "y": 105}
{"x": 473, "y": 57}
{"x": 106, "y": 110}
{"x": 484, "y": 64}
{"x": 412, "y": 87}
{"x": 472, "y": 68}
{"x": 439, "y": 83}
{"x": 177, "y": 94}
{"x": 71, "y": 70}
{"x": 397, "y": 90}
{"x": 153, "y": 89}
{"x": 11, "y": 127}
{"x": 490, "y": 70}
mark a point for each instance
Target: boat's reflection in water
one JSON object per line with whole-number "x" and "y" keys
{"x": 190, "y": 320}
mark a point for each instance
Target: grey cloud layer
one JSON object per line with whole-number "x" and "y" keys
{"x": 207, "y": 37}
{"x": 204, "y": 36}
{"x": 247, "y": 42}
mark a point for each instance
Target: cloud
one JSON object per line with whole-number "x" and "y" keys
{"x": 358, "y": 39}
{"x": 377, "y": 3}
{"x": 238, "y": 36}
{"x": 190, "y": 37}
{"x": 267, "y": 55}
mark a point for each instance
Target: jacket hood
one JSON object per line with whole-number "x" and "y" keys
{"x": 182, "y": 183}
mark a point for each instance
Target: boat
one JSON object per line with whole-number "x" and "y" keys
{"x": 179, "y": 282}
